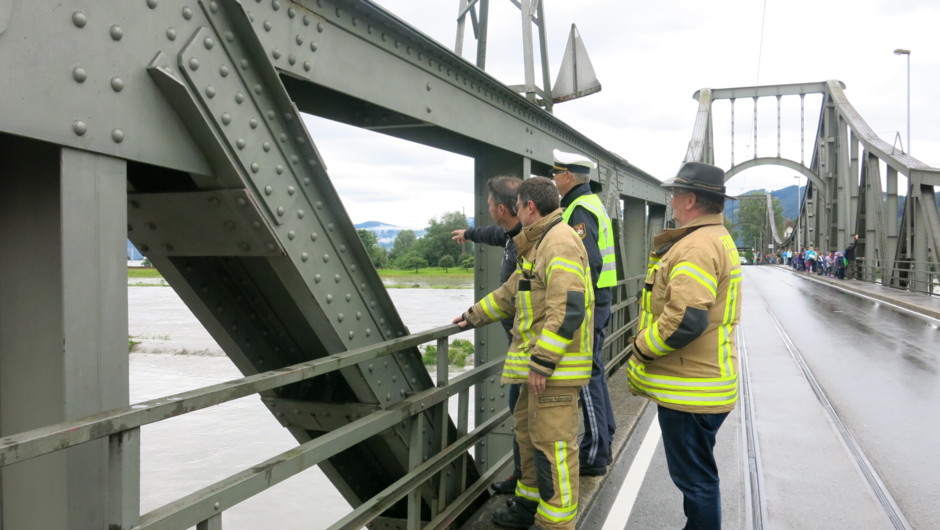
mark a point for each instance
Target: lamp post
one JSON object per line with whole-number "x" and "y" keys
{"x": 907, "y": 53}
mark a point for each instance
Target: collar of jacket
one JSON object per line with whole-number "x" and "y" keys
{"x": 529, "y": 235}
{"x": 674, "y": 234}
{"x": 512, "y": 232}
{"x": 574, "y": 193}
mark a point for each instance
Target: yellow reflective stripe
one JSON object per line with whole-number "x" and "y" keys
{"x": 516, "y": 365}
{"x": 525, "y": 265}
{"x": 696, "y": 273}
{"x": 491, "y": 308}
{"x": 725, "y": 394}
{"x": 605, "y": 237}
{"x": 655, "y": 342}
{"x": 561, "y": 466}
{"x": 726, "y": 330}
{"x": 526, "y": 492}
{"x": 553, "y": 342}
{"x": 682, "y": 384}
{"x": 557, "y": 514}
{"x": 524, "y": 303}
{"x": 561, "y": 263}
{"x": 562, "y": 375}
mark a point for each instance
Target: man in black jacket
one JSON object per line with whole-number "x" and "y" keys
{"x": 585, "y": 212}
{"x": 503, "y": 195}
{"x": 851, "y": 269}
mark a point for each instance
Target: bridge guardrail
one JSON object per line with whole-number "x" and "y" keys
{"x": 909, "y": 275}
{"x": 205, "y": 506}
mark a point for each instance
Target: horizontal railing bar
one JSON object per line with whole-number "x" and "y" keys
{"x": 390, "y": 495}
{"x": 619, "y": 359}
{"x": 449, "y": 514}
{"x": 217, "y": 497}
{"x": 51, "y": 438}
{"x": 628, "y": 327}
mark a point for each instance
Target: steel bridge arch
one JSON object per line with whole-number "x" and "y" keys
{"x": 775, "y": 161}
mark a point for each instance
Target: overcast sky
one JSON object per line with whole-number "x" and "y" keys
{"x": 650, "y": 57}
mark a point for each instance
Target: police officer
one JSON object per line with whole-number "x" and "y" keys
{"x": 586, "y": 214}
{"x": 684, "y": 355}
{"x": 551, "y": 297}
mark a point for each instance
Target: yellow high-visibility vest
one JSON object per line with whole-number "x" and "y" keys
{"x": 605, "y": 236}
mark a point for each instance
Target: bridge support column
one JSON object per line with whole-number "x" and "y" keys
{"x": 490, "y": 341}
{"x": 63, "y": 329}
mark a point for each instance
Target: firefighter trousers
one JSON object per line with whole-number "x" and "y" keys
{"x": 546, "y": 431}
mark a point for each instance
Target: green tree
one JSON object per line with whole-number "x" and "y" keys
{"x": 731, "y": 229}
{"x": 404, "y": 242}
{"x": 370, "y": 241}
{"x": 437, "y": 241}
{"x": 466, "y": 261}
{"x": 753, "y": 223}
{"x": 446, "y": 262}
{"x": 415, "y": 261}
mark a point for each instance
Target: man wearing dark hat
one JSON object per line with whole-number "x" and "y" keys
{"x": 684, "y": 355}
{"x": 585, "y": 212}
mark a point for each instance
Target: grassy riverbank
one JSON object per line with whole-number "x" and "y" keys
{"x": 427, "y": 278}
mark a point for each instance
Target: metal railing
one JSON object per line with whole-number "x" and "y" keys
{"x": 915, "y": 276}
{"x": 204, "y": 508}
{"x": 617, "y": 346}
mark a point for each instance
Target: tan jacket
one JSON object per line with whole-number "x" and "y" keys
{"x": 685, "y": 353}
{"x": 552, "y": 298}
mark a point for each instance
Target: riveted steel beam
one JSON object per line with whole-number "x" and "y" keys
{"x": 352, "y": 60}
{"x": 317, "y": 416}
{"x": 304, "y": 288}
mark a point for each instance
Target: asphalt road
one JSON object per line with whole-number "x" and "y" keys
{"x": 836, "y": 426}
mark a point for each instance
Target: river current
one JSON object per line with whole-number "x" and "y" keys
{"x": 186, "y": 453}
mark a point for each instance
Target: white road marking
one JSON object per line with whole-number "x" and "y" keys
{"x": 630, "y": 488}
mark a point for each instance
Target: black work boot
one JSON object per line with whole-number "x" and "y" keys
{"x": 507, "y": 485}
{"x": 520, "y": 514}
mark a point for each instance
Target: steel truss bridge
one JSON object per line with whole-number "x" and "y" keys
{"x": 178, "y": 124}
{"x": 854, "y": 180}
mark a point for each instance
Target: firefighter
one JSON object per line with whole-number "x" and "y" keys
{"x": 551, "y": 297}
{"x": 684, "y": 355}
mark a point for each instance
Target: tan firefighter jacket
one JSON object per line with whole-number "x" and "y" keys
{"x": 685, "y": 353}
{"x": 552, "y": 298}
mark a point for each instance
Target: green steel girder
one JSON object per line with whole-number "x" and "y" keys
{"x": 844, "y": 195}
{"x": 308, "y": 289}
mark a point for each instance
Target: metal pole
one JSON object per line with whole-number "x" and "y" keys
{"x": 796, "y": 225}
{"x": 908, "y": 103}
{"x": 902, "y": 51}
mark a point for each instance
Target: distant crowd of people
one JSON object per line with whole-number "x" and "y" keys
{"x": 834, "y": 264}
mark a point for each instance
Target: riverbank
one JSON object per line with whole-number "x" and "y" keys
{"x": 427, "y": 278}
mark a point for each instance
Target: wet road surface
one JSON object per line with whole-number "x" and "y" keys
{"x": 836, "y": 427}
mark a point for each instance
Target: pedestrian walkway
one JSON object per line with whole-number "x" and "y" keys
{"x": 915, "y": 302}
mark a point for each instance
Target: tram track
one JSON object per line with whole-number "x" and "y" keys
{"x": 872, "y": 478}
{"x": 754, "y": 492}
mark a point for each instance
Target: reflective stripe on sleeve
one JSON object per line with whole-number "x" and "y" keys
{"x": 491, "y": 308}
{"x": 696, "y": 273}
{"x": 553, "y": 342}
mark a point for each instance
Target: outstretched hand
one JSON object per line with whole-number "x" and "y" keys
{"x": 460, "y": 321}
{"x": 458, "y": 236}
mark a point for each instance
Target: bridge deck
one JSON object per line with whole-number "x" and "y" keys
{"x": 807, "y": 443}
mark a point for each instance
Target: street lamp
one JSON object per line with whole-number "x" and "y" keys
{"x": 907, "y": 53}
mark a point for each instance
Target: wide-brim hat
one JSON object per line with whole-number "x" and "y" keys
{"x": 699, "y": 177}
